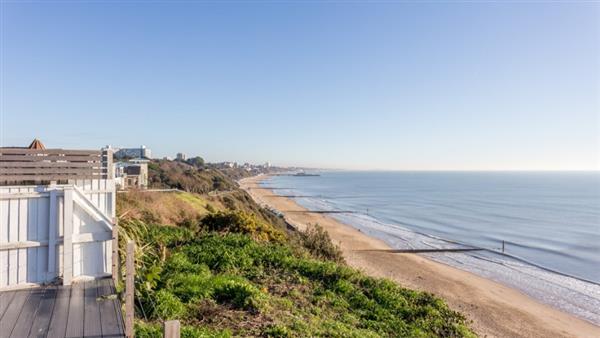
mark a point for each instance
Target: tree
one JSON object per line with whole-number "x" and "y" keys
{"x": 197, "y": 161}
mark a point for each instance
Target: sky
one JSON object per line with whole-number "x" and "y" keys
{"x": 345, "y": 84}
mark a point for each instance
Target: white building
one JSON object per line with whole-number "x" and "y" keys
{"x": 141, "y": 152}
{"x": 132, "y": 174}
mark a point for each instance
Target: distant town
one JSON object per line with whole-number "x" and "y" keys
{"x": 131, "y": 166}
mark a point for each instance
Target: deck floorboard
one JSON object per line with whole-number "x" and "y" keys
{"x": 60, "y": 313}
{"x": 43, "y": 314}
{"x": 92, "y": 318}
{"x": 8, "y": 321}
{"x": 5, "y": 299}
{"x": 111, "y": 325}
{"x": 88, "y": 309}
{"x": 28, "y": 313}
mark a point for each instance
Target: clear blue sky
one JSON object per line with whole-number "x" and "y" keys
{"x": 465, "y": 85}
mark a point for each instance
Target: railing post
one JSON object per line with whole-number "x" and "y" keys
{"x": 171, "y": 329}
{"x": 52, "y": 232}
{"x": 116, "y": 276}
{"x": 68, "y": 237}
{"x": 129, "y": 290}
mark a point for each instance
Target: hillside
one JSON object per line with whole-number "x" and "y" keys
{"x": 180, "y": 175}
{"x": 225, "y": 267}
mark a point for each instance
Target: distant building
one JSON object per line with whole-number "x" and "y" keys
{"x": 132, "y": 174}
{"x": 181, "y": 157}
{"x": 127, "y": 153}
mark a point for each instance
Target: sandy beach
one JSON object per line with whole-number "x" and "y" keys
{"x": 494, "y": 309}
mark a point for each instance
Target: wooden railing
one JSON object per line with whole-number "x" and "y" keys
{"x": 26, "y": 166}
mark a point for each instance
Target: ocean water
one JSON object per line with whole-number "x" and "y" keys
{"x": 549, "y": 223}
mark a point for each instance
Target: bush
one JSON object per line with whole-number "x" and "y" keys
{"x": 200, "y": 332}
{"x": 241, "y": 222}
{"x": 319, "y": 244}
{"x": 277, "y": 331}
{"x": 238, "y": 292}
{"x": 188, "y": 286}
{"x": 147, "y": 330}
{"x": 168, "y": 306}
{"x": 222, "y": 253}
{"x": 178, "y": 262}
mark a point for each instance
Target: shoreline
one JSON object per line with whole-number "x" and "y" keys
{"x": 494, "y": 309}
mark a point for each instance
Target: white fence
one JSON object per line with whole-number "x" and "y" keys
{"x": 53, "y": 231}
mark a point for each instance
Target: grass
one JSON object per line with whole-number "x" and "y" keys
{"x": 225, "y": 283}
{"x": 174, "y": 208}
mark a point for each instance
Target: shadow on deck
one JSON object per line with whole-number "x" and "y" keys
{"x": 84, "y": 309}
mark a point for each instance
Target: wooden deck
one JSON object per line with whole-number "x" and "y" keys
{"x": 84, "y": 309}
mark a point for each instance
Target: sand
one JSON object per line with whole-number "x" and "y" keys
{"x": 494, "y": 310}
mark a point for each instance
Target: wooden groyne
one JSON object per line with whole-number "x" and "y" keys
{"x": 322, "y": 211}
{"x": 270, "y": 188}
{"x": 423, "y": 250}
{"x": 291, "y": 196}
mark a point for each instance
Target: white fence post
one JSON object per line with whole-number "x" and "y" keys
{"x": 52, "y": 231}
{"x": 68, "y": 237}
{"x": 116, "y": 276}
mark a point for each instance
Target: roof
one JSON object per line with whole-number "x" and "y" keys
{"x": 37, "y": 144}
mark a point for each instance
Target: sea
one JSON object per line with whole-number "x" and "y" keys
{"x": 539, "y": 231}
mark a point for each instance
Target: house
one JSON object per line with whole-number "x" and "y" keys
{"x": 181, "y": 157}
{"x": 132, "y": 174}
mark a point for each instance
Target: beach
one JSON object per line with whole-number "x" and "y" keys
{"x": 494, "y": 309}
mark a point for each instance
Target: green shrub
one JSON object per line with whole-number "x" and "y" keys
{"x": 243, "y": 223}
{"x": 277, "y": 331}
{"x": 188, "y": 286}
{"x": 222, "y": 253}
{"x": 168, "y": 306}
{"x": 179, "y": 262}
{"x": 238, "y": 292}
{"x": 147, "y": 330}
{"x": 202, "y": 332}
{"x": 319, "y": 244}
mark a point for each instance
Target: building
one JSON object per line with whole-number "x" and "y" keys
{"x": 68, "y": 197}
{"x": 128, "y": 153}
{"x": 181, "y": 157}
{"x": 60, "y": 230}
{"x": 132, "y": 174}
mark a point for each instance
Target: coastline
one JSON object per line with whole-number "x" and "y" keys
{"x": 494, "y": 309}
